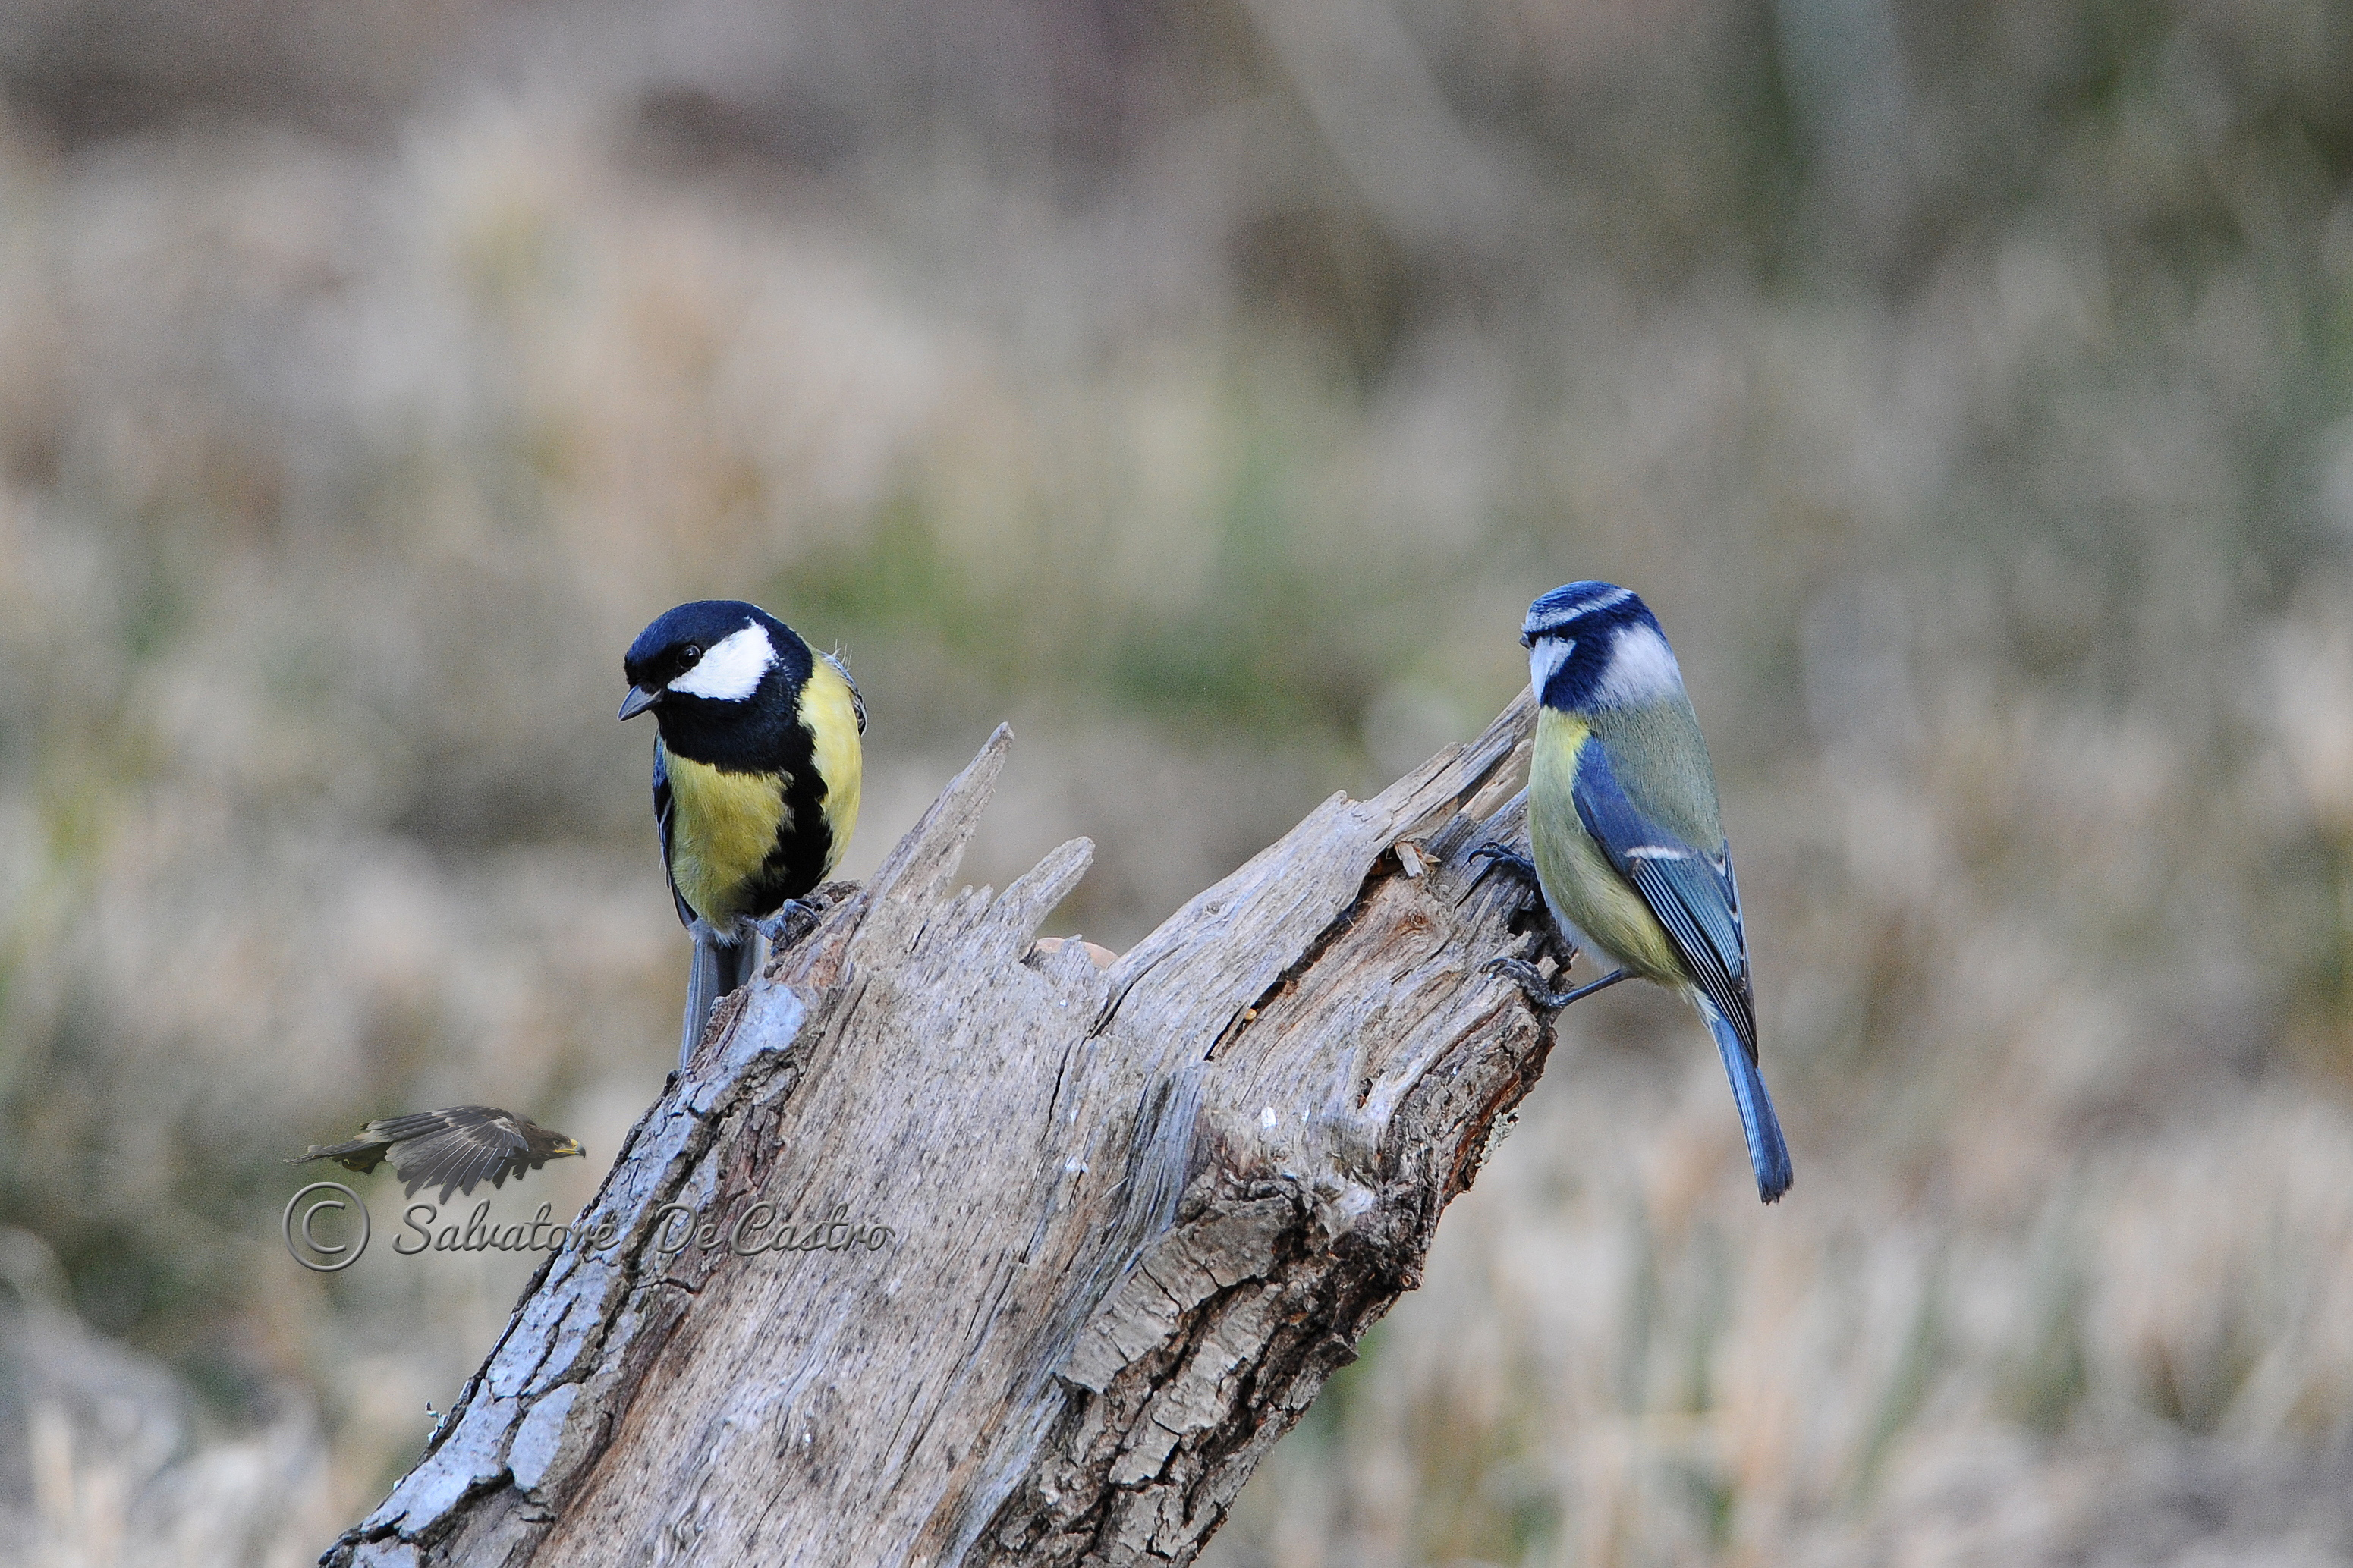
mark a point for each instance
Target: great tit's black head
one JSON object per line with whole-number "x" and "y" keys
{"x": 1595, "y": 644}
{"x": 711, "y": 651}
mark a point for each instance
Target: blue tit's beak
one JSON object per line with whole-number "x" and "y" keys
{"x": 640, "y": 698}
{"x": 1525, "y": 641}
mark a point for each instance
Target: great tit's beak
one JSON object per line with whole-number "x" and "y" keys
{"x": 640, "y": 698}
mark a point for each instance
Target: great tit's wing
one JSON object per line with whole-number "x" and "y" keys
{"x": 1690, "y": 890}
{"x": 665, "y": 806}
{"x": 456, "y": 1148}
{"x": 857, "y": 701}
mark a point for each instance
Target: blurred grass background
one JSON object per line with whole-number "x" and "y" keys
{"x": 1206, "y": 388}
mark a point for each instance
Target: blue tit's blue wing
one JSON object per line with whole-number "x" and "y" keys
{"x": 1690, "y": 890}
{"x": 1693, "y": 893}
{"x": 664, "y": 807}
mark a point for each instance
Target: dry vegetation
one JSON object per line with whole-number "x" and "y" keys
{"x": 1969, "y": 387}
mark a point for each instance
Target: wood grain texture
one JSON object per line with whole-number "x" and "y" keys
{"x": 1071, "y": 1246}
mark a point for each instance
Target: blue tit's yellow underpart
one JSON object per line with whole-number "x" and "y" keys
{"x": 728, "y": 825}
{"x": 1596, "y": 906}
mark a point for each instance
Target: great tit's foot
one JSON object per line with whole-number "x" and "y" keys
{"x": 1510, "y": 861}
{"x": 1541, "y": 996}
{"x": 793, "y": 920}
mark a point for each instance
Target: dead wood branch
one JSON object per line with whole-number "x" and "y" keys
{"x": 1071, "y": 1247}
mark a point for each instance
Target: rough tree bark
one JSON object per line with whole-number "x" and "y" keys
{"x": 1070, "y": 1247}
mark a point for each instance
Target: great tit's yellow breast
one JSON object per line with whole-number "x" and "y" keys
{"x": 1586, "y": 892}
{"x": 725, "y": 825}
{"x": 829, "y": 712}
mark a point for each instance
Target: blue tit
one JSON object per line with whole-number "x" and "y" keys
{"x": 756, "y": 775}
{"x": 1629, "y": 852}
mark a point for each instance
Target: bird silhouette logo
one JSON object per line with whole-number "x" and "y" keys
{"x": 456, "y": 1147}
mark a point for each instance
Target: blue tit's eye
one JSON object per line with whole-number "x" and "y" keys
{"x": 694, "y": 652}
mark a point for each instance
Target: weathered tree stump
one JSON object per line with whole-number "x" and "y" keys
{"x": 1071, "y": 1247}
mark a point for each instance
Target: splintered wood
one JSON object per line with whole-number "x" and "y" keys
{"x": 955, "y": 1246}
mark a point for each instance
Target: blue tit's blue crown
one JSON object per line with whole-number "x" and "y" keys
{"x": 1595, "y": 644}
{"x": 1572, "y": 602}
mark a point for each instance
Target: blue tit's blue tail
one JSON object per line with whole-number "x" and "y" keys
{"x": 1766, "y": 1152}
{"x": 719, "y": 967}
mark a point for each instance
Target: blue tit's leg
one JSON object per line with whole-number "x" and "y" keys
{"x": 719, "y": 967}
{"x": 1541, "y": 996}
{"x": 793, "y": 920}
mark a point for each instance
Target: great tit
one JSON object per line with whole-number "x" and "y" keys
{"x": 755, "y": 779}
{"x": 1629, "y": 852}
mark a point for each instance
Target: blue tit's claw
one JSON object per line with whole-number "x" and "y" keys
{"x": 1508, "y": 860}
{"x": 1541, "y": 996}
{"x": 793, "y": 920}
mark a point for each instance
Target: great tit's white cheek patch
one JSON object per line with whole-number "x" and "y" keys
{"x": 1545, "y": 659}
{"x": 729, "y": 670}
{"x": 1642, "y": 669}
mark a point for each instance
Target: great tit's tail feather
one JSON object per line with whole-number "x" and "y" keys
{"x": 719, "y": 967}
{"x": 1766, "y": 1151}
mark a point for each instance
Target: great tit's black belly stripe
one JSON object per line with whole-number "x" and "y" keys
{"x": 743, "y": 840}
{"x": 803, "y": 840}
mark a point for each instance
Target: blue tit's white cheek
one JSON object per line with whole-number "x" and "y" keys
{"x": 1642, "y": 669}
{"x": 730, "y": 669}
{"x": 1545, "y": 659}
